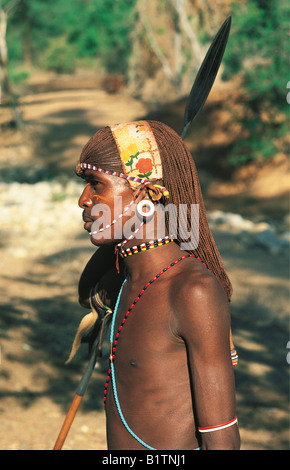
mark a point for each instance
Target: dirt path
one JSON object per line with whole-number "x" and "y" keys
{"x": 43, "y": 249}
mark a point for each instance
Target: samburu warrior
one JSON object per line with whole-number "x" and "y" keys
{"x": 170, "y": 382}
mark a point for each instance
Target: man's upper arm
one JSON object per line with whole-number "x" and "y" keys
{"x": 203, "y": 322}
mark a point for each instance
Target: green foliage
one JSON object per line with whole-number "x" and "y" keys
{"x": 258, "y": 52}
{"x": 18, "y": 74}
{"x": 59, "y": 55}
{"x": 63, "y": 35}
{"x": 59, "y": 35}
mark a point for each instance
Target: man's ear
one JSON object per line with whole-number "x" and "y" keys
{"x": 154, "y": 191}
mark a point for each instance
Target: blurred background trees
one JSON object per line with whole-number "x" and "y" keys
{"x": 258, "y": 52}
{"x": 159, "y": 46}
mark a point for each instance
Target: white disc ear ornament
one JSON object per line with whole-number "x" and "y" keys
{"x": 140, "y": 208}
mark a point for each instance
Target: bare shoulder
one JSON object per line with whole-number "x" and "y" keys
{"x": 198, "y": 284}
{"x": 198, "y": 300}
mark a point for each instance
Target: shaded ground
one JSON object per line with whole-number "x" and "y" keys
{"x": 43, "y": 249}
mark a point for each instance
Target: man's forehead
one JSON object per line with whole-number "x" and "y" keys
{"x": 90, "y": 175}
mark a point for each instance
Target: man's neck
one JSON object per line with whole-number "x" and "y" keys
{"x": 142, "y": 266}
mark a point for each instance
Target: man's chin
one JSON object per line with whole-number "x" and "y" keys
{"x": 88, "y": 226}
{"x": 99, "y": 240}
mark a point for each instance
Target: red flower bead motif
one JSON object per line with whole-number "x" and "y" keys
{"x": 144, "y": 165}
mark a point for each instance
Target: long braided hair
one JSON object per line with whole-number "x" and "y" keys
{"x": 180, "y": 179}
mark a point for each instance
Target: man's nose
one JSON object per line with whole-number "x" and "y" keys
{"x": 85, "y": 199}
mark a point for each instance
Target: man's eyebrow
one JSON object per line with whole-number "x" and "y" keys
{"x": 90, "y": 178}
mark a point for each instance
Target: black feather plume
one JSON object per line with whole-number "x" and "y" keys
{"x": 206, "y": 75}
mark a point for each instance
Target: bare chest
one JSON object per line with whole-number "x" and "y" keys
{"x": 150, "y": 373}
{"x": 143, "y": 336}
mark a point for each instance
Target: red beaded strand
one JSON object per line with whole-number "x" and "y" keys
{"x": 114, "y": 345}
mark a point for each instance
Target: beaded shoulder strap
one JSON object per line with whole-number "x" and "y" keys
{"x": 96, "y": 300}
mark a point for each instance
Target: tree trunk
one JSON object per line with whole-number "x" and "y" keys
{"x": 155, "y": 46}
{"x": 6, "y": 95}
{"x": 180, "y": 8}
{"x": 4, "y": 80}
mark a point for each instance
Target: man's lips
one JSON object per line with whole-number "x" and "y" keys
{"x": 87, "y": 222}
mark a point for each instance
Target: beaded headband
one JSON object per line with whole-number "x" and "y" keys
{"x": 138, "y": 150}
{"x": 89, "y": 166}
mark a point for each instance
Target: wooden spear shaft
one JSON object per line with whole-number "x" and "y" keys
{"x": 68, "y": 422}
{"x": 77, "y": 399}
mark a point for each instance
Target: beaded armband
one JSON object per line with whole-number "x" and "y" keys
{"x": 218, "y": 427}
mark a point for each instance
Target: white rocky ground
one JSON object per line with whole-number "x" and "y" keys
{"x": 48, "y": 212}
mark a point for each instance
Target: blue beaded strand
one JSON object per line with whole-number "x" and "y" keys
{"x": 113, "y": 376}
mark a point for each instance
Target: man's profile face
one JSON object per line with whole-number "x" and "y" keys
{"x": 98, "y": 200}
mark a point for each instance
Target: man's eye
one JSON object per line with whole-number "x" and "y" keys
{"x": 94, "y": 184}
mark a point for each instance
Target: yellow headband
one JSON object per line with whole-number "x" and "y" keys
{"x": 139, "y": 154}
{"x": 138, "y": 150}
